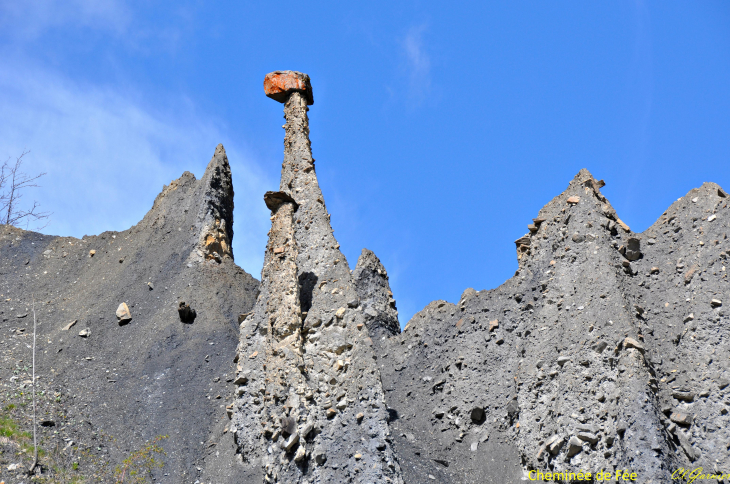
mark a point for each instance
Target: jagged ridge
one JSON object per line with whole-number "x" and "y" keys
{"x": 562, "y": 368}
{"x": 584, "y": 360}
{"x": 606, "y": 350}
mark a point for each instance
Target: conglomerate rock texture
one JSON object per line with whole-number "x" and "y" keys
{"x": 607, "y": 351}
{"x": 311, "y": 406}
{"x": 584, "y": 360}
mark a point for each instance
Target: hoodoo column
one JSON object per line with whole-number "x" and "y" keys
{"x": 310, "y": 406}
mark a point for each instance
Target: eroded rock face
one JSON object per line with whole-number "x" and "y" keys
{"x": 376, "y": 298}
{"x": 308, "y": 359}
{"x": 138, "y": 371}
{"x": 599, "y": 354}
{"x": 573, "y": 364}
{"x": 217, "y": 218}
{"x": 274, "y": 372}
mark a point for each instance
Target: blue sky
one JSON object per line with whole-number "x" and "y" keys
{"x": 439, "y": 128}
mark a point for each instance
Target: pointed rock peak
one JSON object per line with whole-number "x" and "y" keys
{"x": 706, "y": 196}
{"x": 216, "y": 211}
{"x": 218, "y": 171}
{"x": 582, "y": 189}
{"x": 712, "y": 189}
{"x": 579, "y": 207}
{"x": 584, "y": 185}
{"x": 584, "y": 178}
{"x": 371, "y": 283}
{"x": 215, "y": 188}
{"x": 701, "y": 203}
{"x": 582, "y": 174}
{"x": 369, "y": 261}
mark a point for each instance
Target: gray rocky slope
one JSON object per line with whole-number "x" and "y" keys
{"x": 608, "y": 349}
{"x": 107, "y": 394}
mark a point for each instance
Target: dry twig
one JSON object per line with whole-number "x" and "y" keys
{"x": 12, "y": 183}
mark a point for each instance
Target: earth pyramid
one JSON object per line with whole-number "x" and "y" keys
{"x": 310, "y": 406}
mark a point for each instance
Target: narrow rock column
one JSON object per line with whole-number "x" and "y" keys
{"x": 273, "y": 414}
{"x": 371, "y": 282}
{"x": 311, "y": 405}
{"x": 324, "y": 274}
{"x": 353, "y": 438}
{"x": 282, "y": 306}
{"x": 217, "y": 218}
{"x": 284, "y": 402}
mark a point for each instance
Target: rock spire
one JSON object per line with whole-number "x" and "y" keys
{"x": 310, "y": 404}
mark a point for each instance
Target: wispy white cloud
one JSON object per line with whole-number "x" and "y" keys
{"x": 30, "y": 18}
{"x": 127, "y": 23}
{"x": 417, "y": 62}
{"x": 107, "y": 155}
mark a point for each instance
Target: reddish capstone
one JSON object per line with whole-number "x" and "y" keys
{"x": 279, "y": 85}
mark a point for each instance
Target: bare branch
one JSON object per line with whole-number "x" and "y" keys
{"x": 12, "y": 182}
